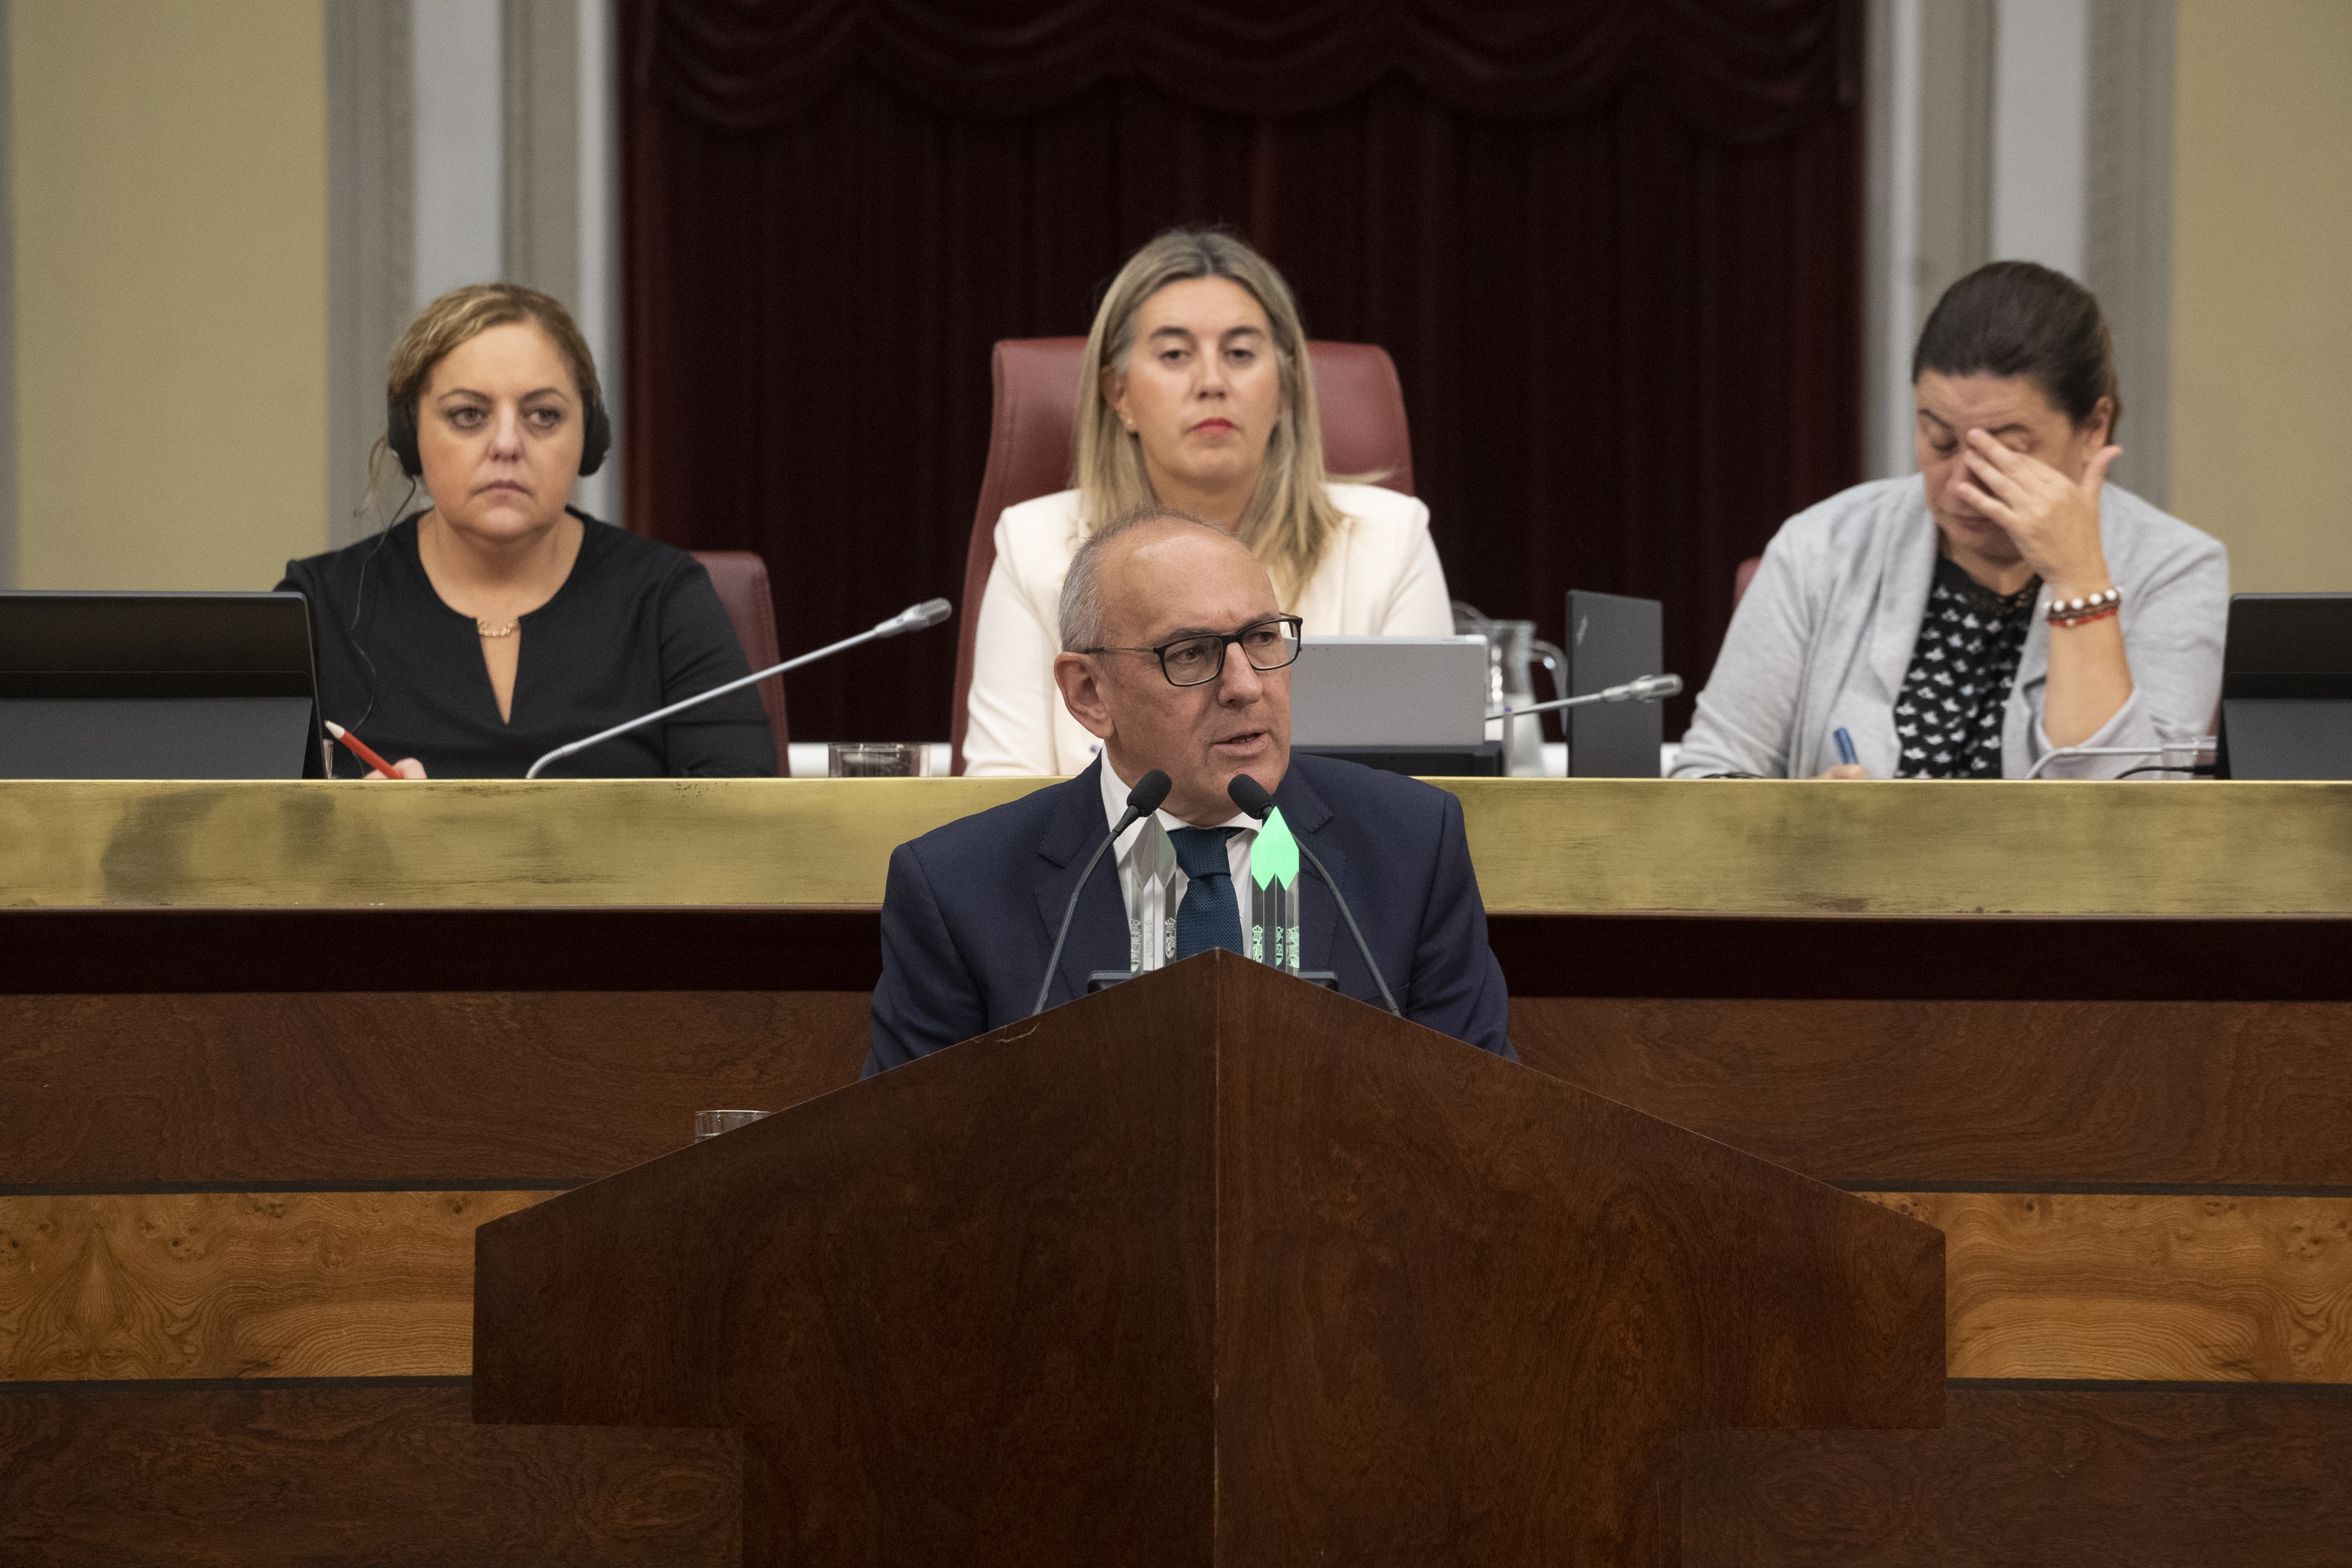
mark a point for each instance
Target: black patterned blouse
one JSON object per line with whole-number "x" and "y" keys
{"x": 1948, "y": 717}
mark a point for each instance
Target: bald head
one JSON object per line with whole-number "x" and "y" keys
{"x": 1148, "y": 579}
{"x": 1085, "y": 616}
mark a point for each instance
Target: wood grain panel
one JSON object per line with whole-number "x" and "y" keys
{"x": 1459, "y": 1308}
{"x": 1454, "y": 1306}
{"x": 223, "y": 1090}
{"x": 201, "y": 1285}
{"x": 965, "y": 1305}
{"x": 347, "y": 1474}
{"x": 1888, "y": 1095}
{"x": 2140, "y": 1288}
{"x": 371, "y": 1284}
{"x": 2056, "y": 1479}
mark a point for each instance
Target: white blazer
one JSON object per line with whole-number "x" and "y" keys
{"x": 1380, "y": 577}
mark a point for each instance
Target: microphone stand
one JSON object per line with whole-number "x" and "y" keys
{"x": 2056, "y": 753}
{"x": 1141, "y": 802}
{"x": 914, "y": 619}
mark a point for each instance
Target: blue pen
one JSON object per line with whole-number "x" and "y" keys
{"x": 1844, "y": 745}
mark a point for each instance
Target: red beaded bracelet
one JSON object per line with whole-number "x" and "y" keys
{"x": 2084, "y": 620}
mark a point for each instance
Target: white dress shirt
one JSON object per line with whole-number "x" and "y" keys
{"x": 1153, "y": 884}
{"x": 1379, "y": 576}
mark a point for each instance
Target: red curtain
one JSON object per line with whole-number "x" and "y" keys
{"x": 1614, "y": 246}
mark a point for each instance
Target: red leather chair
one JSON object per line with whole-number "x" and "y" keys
{"x": 1356, "y": 395}
{"x": 741, "y": 578}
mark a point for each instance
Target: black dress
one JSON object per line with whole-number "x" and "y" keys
{"x": 636, "y": 626}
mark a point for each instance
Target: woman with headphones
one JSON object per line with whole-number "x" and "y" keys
{"x": 476, "y": 635}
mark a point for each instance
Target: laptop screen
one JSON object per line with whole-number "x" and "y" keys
{"x": 132, "y": 686}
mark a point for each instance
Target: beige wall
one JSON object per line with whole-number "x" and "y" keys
{"x": 169, "y": 159}
{"x": 2261, "y": 303}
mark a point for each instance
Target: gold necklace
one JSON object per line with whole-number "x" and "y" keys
{"x": 488, "y": 630}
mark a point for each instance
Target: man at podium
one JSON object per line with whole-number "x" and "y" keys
{"x": 1176, "y": 655}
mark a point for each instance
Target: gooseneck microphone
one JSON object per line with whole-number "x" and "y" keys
{"x": 913, "y": 618}
{"x": 1641, "y": 688}
{"x": 1141, "y": 802}
{"x": 1250, "y": 795}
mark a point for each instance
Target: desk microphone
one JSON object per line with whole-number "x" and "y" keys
{"x": 1250, "y": 795}
{"x": 913, "y": 618}
{"x": 1141, "y": 802}
{"x": 1641, "y": 688}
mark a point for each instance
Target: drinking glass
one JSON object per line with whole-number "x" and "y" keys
{"x": 711, "y": 1123}
{"x": 878, "y": 760}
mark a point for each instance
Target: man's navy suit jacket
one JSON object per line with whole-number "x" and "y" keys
{"x": 970, "y": 911}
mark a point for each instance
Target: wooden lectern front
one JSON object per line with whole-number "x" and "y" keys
{"x": 1214, "y": 1267}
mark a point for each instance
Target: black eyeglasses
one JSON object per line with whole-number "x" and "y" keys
{"x": 1197, "y": 660}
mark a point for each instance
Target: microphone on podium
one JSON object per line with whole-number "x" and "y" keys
{"x": 1251, "y": 796}
{"x": 1141, "y": 802}
{"x": 913, "y": 618}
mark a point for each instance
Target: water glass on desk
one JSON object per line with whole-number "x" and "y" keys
{"x": 711, "y": 1123}
{"x": 878, "y": 760}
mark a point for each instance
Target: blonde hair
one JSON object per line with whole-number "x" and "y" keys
{"x": 1290, "y": 521}
{"x": 458, "y": 317}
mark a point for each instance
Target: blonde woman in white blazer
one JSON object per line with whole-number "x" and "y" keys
{"x": 1195, "y": 395}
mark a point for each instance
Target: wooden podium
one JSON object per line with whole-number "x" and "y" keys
{"x": 1212, "y": 1267}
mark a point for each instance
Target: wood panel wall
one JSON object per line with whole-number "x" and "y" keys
{"x": 2147, "y": 1477}
{"x": 384, "y": 1472}
{"x": 236, "y": 1265}
{"x": 2148, "y": 1211}
{"x": 2211, "y": 1287}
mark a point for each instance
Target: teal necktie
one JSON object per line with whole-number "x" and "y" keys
{"x": 1208, "y": 917}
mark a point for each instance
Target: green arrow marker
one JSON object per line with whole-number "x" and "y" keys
{"x": 1274, "y": 857}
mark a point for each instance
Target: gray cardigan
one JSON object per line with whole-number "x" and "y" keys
{"x": 1825, "y": 636}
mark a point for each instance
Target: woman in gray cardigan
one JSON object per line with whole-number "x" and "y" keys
{"x": 2004, "y": 603}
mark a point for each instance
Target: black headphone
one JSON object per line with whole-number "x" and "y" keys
{"x": 400, "y": 435}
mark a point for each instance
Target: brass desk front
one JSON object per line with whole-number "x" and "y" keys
{"x": 1541, "y": 846}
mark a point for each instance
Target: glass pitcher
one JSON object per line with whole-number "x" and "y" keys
{"x": 1513, "y": 650}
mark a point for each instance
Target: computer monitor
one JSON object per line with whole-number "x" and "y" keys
{"x": 157, "y": 686}
{"x": 1409, "y": 704}
{"x": 2286, "y": 688}
{"x": 1612, "y": 640}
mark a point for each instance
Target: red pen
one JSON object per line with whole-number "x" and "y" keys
{"x": 361, "y": 750}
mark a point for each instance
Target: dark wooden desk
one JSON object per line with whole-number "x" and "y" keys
{"x": 269, "y": 1053}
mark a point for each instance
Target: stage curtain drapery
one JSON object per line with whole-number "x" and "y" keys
{"x": 1614, "y": 245}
